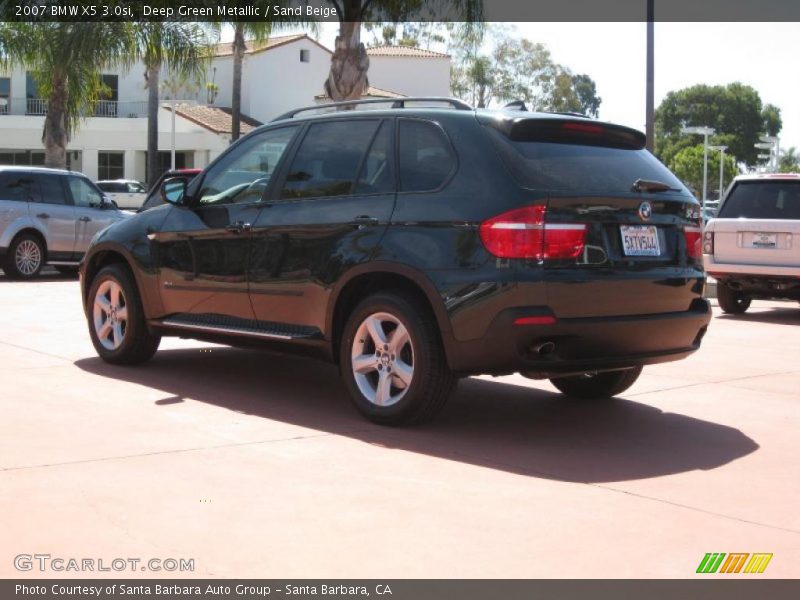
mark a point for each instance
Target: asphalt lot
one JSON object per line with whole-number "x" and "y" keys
{"x": 255, "y": 465}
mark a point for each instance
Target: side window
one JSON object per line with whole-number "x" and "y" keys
{"x": 16, "y": 186}
{"x": 135, "y": 188}
{"x": 243, "y": 174}
{"x": 51, "y": 189}
{"x": 377, "y": 174}
{"x": 426, "y": 159}
{"x": 83, "y": 193}
{"x": 326, "y": 164}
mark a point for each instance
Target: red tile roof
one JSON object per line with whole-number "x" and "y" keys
{"x": 214, "y": 118}
{"x": 404, "y": 51}
{"x": 251, "y": 47}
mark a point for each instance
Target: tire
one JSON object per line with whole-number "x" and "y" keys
{"x": 67, "y": 271}
{"x": 114, "y": 288}
{"x": 731, "y": 301}
{"x": 597, "y": 385}
{"x": 25, "y": 258}
{"x": 426, "y": 382}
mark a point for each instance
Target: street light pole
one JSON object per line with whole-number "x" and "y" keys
{"x": 650, "y": 94}
{"x": 705, "y": 132}
{"x": 721, "y": 150}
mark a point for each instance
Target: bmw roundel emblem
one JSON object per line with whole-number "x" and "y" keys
{"x": 645, "y": 211}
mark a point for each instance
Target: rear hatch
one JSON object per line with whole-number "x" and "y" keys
{"x": 621, "y": 233}
{"x": 759, "y": 223}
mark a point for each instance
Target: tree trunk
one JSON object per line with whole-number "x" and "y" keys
{"x": 236, "y": 94}
{"x": 153, "y": 164}
{"x": 55, "y": 136}
{"x": 347, "y": 79}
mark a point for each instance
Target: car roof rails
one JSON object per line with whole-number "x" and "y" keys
{"x": 395, "y": 103}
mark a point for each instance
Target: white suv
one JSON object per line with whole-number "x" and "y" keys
{"x": 752, "y": 247}
{"x": 48, "y": 216}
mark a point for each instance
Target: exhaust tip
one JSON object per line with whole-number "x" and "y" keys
{"x": 544, "y": 349}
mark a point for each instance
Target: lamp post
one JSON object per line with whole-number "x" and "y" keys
{"x": 767, "y": 145}
{"x": 721, "y": 150}
{"x": 705, "y": 132}
{"x": 775, "y": 149}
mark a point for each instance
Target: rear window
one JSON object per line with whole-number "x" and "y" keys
{"x": 763, "y": 200}
{"x": 577, "y": 167}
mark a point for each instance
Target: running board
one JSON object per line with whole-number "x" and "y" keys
{"x": 224, "y": 325}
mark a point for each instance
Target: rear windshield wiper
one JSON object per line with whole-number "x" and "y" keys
{"x": 645, "y": 185}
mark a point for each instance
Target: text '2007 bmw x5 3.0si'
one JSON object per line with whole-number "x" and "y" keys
{"x": 414, "y": 246}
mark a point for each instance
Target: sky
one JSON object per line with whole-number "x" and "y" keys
{"x": 762, "y": 55}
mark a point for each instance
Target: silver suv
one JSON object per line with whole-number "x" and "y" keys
{"x": 48, "y": 216}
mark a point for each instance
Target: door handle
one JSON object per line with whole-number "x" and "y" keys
{"x": 43, "y": 216}
{"x": 85, "y": 219}
{"x": 239, "y": 227}
{"x": 365, "y": 220}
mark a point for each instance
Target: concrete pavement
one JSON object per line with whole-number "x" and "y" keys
{"x": 255, "y": 465}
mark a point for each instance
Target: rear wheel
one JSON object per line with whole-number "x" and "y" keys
{"x": 393, "y": 362}
{"x": 117, "y": 323}
{"x": 25, "y": 257}
{"x": 597, "y": 385}
{"x": 731, "y": 301}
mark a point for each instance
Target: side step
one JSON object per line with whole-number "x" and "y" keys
{"x": 225, "y": 325}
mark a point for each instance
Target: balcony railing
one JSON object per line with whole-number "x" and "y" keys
{"x": 102, "y": 108}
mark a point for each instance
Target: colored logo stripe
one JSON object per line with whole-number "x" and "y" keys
{"x": 713, "y": 562}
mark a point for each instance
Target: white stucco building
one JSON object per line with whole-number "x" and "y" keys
{"x": 285, "y": 73}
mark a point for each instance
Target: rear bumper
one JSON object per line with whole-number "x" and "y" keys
{"x": 581, "y": 344}
{"x": 718, "y": 270}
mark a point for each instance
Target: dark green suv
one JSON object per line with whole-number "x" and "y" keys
{"x": 415, "y": 245}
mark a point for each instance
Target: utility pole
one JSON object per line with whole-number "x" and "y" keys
{"x": 705, "y": 132}
{"x": 650, "y": 94}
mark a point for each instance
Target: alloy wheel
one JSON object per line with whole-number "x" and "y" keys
{"x": 382, "y": 359}
{"x": 28, "y": 257}
{"x": 110, "y": 314}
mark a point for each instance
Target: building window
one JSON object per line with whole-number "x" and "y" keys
{"x": 5, "y": 94}
{"x": 305, "y": 56}
{"x": 110, "y": 165}
{"x": 107, "y": 106}
{"x": 35, "y": 105}
{"x": 26, "y": 158}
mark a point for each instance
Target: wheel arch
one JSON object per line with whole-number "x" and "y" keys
{"x": 104, "y": 255}
{"x": 378, "y": 276}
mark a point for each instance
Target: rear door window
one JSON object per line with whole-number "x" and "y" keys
{"x": 585, "y": 167}
{"x": 763, "y": 200}
{"x": 426, "y": 158}
{"x": 377, "y": 172}
{"x": 51, "y": 189}
{"x": 328, "y": 160}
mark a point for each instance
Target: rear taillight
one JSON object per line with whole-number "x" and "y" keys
{"x": 708, "y": 242}
{"x": 694, "y": 237}
{"x": 523, "y": 233}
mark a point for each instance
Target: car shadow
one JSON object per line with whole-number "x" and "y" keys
{"x": 789, "y": 315}
{"x": 513, "y": 428}
{"x": 44, "y": 276}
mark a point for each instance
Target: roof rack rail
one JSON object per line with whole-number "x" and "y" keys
{"x": 395, "y": 102}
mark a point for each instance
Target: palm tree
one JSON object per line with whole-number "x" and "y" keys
{"x": 347, "y": 79}
{"x": 65, "y": 60}
{"x": 183, "y": 47}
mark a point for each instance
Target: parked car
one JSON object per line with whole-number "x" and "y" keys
{"x": 126, "y": 193}
{"x": 751, "y": 247}
{"x": 154, "y": 195}
{"x": 48, "y": 216}
{"x": 414, "y": 246}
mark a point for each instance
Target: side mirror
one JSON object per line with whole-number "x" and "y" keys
{"x": 107, "y": 203}
{"x": 173, "y": 190}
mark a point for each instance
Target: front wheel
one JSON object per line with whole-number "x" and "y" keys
{"x": 116, "y": 318}
{"x": 597, "y": 385}
{"x": 731, "y": 301}
{"x": 393, "y": 362}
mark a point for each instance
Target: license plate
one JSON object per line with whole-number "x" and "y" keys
{"x": 640, "y": 240}
{"x": 764, "y": 240}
